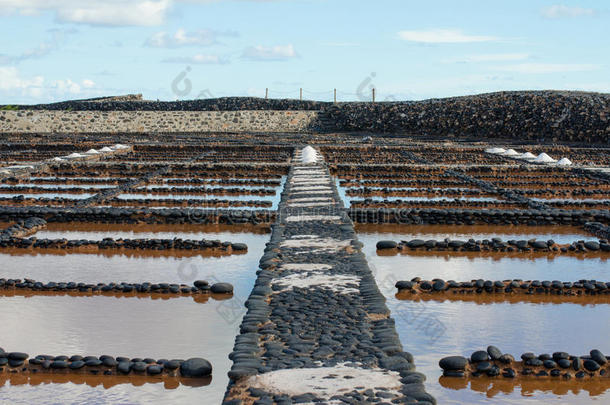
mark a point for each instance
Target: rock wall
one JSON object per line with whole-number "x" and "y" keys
{"x": 530, "y": 116}
{"x": 49, "y": 121}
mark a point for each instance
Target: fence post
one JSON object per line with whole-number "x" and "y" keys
{"x": 301, "y": 94}
{"x": 373, "y": 94}
{"x": 266, "y": 93}
{"x": 335, "y": 96}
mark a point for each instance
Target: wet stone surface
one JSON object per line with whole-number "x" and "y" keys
{"x": 317, "y": 306}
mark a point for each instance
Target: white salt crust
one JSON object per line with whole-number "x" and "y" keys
{"x": 306, "y": 266}
{"x": 310, "y": 192}
{"x": 339, "y": 283}
{"x": 302, "y": 218}
{"x": 307, "y": 199}
{"x": 310, "y": 204}
{"x": 317, "y": 380}
{"x": 316, "y": 242}
{"x": 306, "y": 179}
{"x": 306, "y": 188}
{"x": 322, "y": 183}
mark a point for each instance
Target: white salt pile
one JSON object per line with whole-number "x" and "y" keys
{"x": 564, "y": 162}
{"x": 526, "y": 156}
{"x": 309, "y": 155}
{"x": 119, "y": 146}
{"x": 58, "y": 159}
{"x": 92, "y": 152}
{"x": 74, "y": 155}
{"x": 105, "y": 149}
{"x": 511, "y": 153}
{"x": 544, "y": 158}
{"x": 495, "y": 151}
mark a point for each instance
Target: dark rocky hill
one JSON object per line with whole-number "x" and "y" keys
{"x": 525, "y": 115}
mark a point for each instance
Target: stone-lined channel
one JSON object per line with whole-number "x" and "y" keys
{"x": 317, "y": 327}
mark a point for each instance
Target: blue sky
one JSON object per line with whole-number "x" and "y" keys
{"x": 183, "y": 49}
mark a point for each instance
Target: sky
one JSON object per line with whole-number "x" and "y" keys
{"x": 54, "y": 50}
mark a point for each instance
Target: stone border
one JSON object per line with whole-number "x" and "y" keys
{"x": 450, "y": 216}
{"x": 567, "y": 289}
{"x": 492, "y": 363}
{"x": 493, "y": 246}
{"x": 122, "y": 288}
{"x": 15, "y": 362}
{"x": 599, "y": 229}
{"x": 143, "y": 215}
{"x": 23, "y": 228}
{"x": 202, "y": 245}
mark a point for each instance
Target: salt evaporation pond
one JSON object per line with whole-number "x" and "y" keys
{"x": 431, "y": 330}
{"x": 127, "y": 326}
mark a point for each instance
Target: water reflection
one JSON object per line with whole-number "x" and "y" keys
{"x": 135, "y": 326}
{"x": 174, "y": 329}
{"x": 432, "y": 327}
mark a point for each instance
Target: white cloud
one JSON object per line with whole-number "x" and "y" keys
{"x": 183, "y": 38}
{"x": 561, "y": 11}
{"x": 442, "y": 36}
{"x": 199, "y": 59}
{"x": 14, "y": 88}
{"x": 269, "y": 53}
{"x": 489, "y": 57}
{"x": 66, "y": 86}
{"x": 538, "y": 68}
{"x": 94, "y": 12}
{"x": 101, "y": 12}
{"x": 11, "y": 80}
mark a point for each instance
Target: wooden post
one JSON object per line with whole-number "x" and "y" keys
{"x": 266, "y": 93}
{"x": 301, "y": 94}
{"x": 373, "y": 94}
{"x": 335, "y": 96}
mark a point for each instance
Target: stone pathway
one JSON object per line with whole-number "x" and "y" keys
{"x": 317, "y": 328}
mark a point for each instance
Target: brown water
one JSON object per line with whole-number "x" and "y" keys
{"x": 142, "y": 231}
{"x": 138, "y": 326}
{"x": 177, "y": 328}
{"x": 437, "y": 327}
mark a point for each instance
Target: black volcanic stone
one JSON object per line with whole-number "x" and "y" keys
{"x": 598, "y": 357}
{"x": 75, "y": 365}
{"x": 124, "y": 367}
{"x": 404, "y": 285}
{"x": 17, "y": 356}
{"x": 591, "y": 365}
{"x": 154, "y": 369}
{"x": 479, "y": 355}
{"x": 386, "y": 244}
{"x": 494, "y": 352}
{"x": 222, "y": 288}
{"x": 577, "y": 363}
{"x": 196, "y": 367}
{"x": 453, "y": 363}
